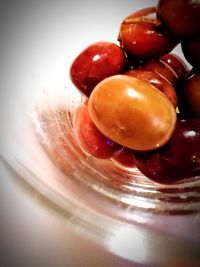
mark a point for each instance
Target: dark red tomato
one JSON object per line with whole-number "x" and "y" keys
{"x": 156, "y": 80}
{"x": 178, "y": 159}
{"x": 181, "y": 17}
{"x": 125, "y": 157}
{"x": 176, "y": 63}
{"x": 189, "y": 96}
{"x": 143, "y": 35}
{"x": 162, "y": 69}
{"x": 191, "y": 51}
{"x": 96, "y": 62}
{"x": 89, "y": 137}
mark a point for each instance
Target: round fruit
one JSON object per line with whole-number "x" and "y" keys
{"x": 176, "y": 63}
{"x": 125, "y": 157}
{"x": 96, "y": 62}
{"x": 189, "y": 99}
{"x": 156, "y": 80}
{"x": 132, "y": 112}
{"x": 178, "y": 159}
{"x": 191, "y": 51}
{"x": 143, "y": 36}
{"x": 162, "y": 69}
{"x": 181, "y": 17}
{"x": 89, "y": 137}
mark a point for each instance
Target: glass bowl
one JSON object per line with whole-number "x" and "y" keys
{"x": 119, "y": 208}
{"x": 130, "y": 216}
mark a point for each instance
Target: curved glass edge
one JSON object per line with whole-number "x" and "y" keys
{"x": 127, "y": 241}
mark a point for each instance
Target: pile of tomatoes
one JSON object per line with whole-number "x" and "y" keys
{"x": 142, "y": 101}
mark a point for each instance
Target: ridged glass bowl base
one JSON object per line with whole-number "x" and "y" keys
{"x": 125, "y": 186}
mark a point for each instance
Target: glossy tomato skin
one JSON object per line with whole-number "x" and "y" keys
{"x": 191, "y": 51}
{"x": 156, "y": 80}
{"x": 143, "y": 36}
{"x": 96, "y": 62}
{"x": 132, "y": 112}
{"x": 125, "y": 157}
{"x": 178, "y": 159}
{"x": 176, "y": 63}
{"x": 189, "y": 96}
{"x": 90, "y": 139}
{"x": 162, "y": 69}
{"x": 181, "y": 17}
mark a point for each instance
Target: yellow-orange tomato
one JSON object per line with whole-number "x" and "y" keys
{"x": 132, "y": 113}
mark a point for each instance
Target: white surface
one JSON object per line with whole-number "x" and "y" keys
{"x": 34, "y": 236}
